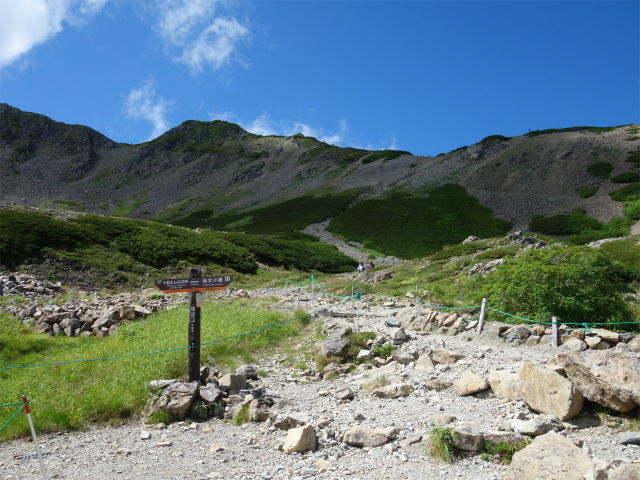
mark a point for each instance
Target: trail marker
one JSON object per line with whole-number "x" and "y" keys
{"x": 194, "y": 285}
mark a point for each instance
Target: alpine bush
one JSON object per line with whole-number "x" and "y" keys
{"x": 575, "y": 283}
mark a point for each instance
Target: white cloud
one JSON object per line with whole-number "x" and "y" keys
{"x": 203, "y": 38}
{"x": 27, "y": 23}
{"x": 142, "y": 104}
{"x": 263, "y": 125}
{"x": 226, "y": 116}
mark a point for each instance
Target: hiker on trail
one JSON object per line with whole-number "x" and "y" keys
{"x": 361, "y": 267}
{"x": 371, "y": 265}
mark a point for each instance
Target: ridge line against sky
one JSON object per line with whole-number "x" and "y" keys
{"x": 423, "y": 76}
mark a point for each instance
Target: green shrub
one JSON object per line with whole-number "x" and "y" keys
{"x": 627, "y": 177}
{"x": 600, "y": 169}
{"x": 384, "y": 351}
{"x": 573, "y": 283}
{"x": 578, "y": 227}
{"x": 586, "y": 192}
{"x": 626, "y": 253}
{"x": 627, "y": 193}
{"x": 563, "y": 224}
{"x": 416, "y": 227}
{"x": 631, "y": 209}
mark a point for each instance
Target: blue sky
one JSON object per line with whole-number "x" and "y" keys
{"x": 423, "y": 76}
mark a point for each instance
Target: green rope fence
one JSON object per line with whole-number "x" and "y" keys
{"x": 14, "y": 415}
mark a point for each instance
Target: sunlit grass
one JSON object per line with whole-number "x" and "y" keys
{"x": 71, "y": 396}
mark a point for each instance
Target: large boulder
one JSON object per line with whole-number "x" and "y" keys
{"x": 394, "y": 390}
{"x": 505, "y": 385}
{"x": 469, "y": 384}
{"x": 546, "y": 391}
{"x": 549, "y": 456}
{"x": 334, "y": 345}
{"x": 440, "y": 355}
{"x": 177, "y": 398}
{"x": 300, "y": 440}
{"x": 607, "y": 377}
{"x": 368, "y": 437}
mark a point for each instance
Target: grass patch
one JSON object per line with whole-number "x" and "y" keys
{"x": 441, "y": 444}
{"x": 379, "y": 382}
{"x": 241, "y": 417}
{"x": 600, "y": 169}
{"x": 627, "y": 193}
{"x": 81, "y": 387}
{"x": 331, "y": 376}
{"x": 300, "y": 365}
{"x": 631, "y": 139}
{"x": 415, "y": 227}
{"x": 459, "y": 250}
{"x": 502, "y": 452}
{"x": 502, "y": 252}
{"x": 586, "y": 192}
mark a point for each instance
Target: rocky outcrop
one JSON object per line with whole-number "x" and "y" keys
{"x": 549, "y": 456}
{"x": 609, "y": 378}
{"x": 545, "y": 391}
{"x": 367, "y": 437}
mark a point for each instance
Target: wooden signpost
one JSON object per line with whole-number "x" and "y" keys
{"x": 194, "y": 284}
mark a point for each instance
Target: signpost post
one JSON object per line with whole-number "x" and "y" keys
{"x": 194, "y": 284}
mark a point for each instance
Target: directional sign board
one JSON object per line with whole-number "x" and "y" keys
{"x": 194, "y": 284}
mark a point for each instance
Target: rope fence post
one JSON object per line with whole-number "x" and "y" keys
{"x": 313, "y": 298}
{"x": 35, "y": 439}
{"x": 483, "y": 312}
{"x": 358, "y": 311}
{"x": 417, "y": 305}
{"x": 554, "y": 334}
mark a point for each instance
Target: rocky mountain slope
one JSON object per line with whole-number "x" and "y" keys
{"x": 220, "y": 166}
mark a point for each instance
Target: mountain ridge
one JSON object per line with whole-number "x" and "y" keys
{"x": 219, "y": 167}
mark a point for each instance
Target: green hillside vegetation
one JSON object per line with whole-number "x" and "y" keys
{"x": 586, "y": 192}
{"x": 634, "y": 157}
{"x": 571, "y": 129}
{"x": 290, "y": 215}
{"x": 600, "y": 169}
{"x": 123, "y": 250}
{"x": 410, "y": 227}
{"x": 386, "y": 154}
{"x": 578, "y": 228}
{"x": 627, "y": 193}
{"x": 628, "y": 177}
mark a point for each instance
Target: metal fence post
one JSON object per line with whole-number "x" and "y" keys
{"x": 35, "y": 439}
{"x": 483, "y": 312}
{"x": 554, "y": 334}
